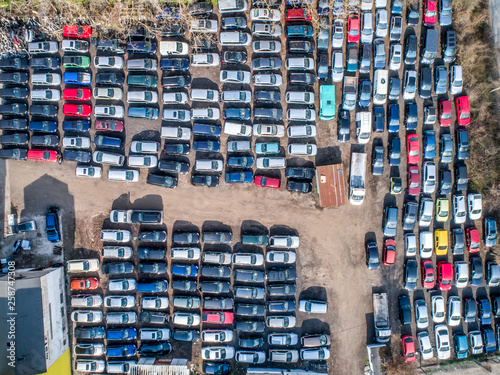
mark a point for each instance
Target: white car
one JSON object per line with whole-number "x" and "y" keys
{"x": 82, "y": 265}
{"x": 282, "y": 339}
{"x": 108, "y": 62}
{"x": 271, "y": 162}
{"x": 301, "y": 131}
{"x": 109, "y": 158}
{"x": 49, "y": 79}
{"x": 266, "y": 29}
{"x": 410, "y": 241}
{"x": 248, "y": 259}
{"x": 90, "y": 172}
{"x": 204, "y": 95}
{"x": 266, "y": 46}
{"x": 231, "y": 6}
{"x": 154, "y": 334}
{"x": 174, "y": 98}
{"x": 176, "y": 132}
{"x": 474, "y": 206}
{"x": 119, "y": 252}
{"x": 239, "y": 146}
{"x": 232, "y": 128}
{"x": 269, "y": 79}
{"x": 86, "y": 300}
{"x": 109, "y": 93}
{"x": 181, "y": 115}
{"x": 234, "y": 76}
{"x": 426, "y": 212}
{"x": 475, "y": 342}
{"x": 126, "y": 317}
{"x": 76, "y": 142}
{"x": 456, "y": 82}
{"x": 299, "y": 63}
{"x": 461, "y": 274}
{"x": 437, "y": 309}
{"x": 47, "y": 95}
{"x": 90, "y": 365}
{"x": 299, "y": 97}
{"x": 205, "y": 113}
{"x": 260, "y": 14}
{"x": 366, "y": 28}
{"x": 269, "y": 130}
{"x": 302, "y": 149}
{"x": 421, "y": 314}
{"x": 88, "y": 349}
{"x": 75, "y": 46}
{"x": 301, "y": 114}
{"x": 381, "y": 23}
{"x": 218, "y": 353}
{"x": 185, "y": 253}
{"x": 442, "y": 336}
{"x": 173, "y": 48}
{"x": 115, "y": 235}
{"x": 204, "y": 26}
{"x": 311, "y": 306}
{"x": 410, "y": 85}
{"x": 236, "y": 96}
{"x": 424, "y": 343}
{"x": 426, "y": 244}
{"x": 142, "y": 97}
{"x": 86, "y": 316}
{"x": 145, "y": 147}
{"x": 186, "y": 319}
{"x": 139, "y": 161}
{"x": 337, "y": 66}
{"x": 114, "y": 111}
{"x": 154, "y": 303}
{"x": 285, "y": 257}
{"x": 122, "y": 285}
{"x": 244, "y": 356}
{"x": 429, "y": 177}
{"x": 459, "y": 210}
{"x": 315, "y": 354}
{"x": 214, "y": 335}
{"x": 205, "y": 59}
{"x": 209, "y": 165}
{"x": 119, "y": 301}
{"x": 338, "y": 34}
{"x": 395, "y": 57}
{"x": 119, "y": 367}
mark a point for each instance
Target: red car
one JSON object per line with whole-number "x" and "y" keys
{"x": 84, "y": 283}
{"x": 217, "y": 317}
{"x": 445, "y": 275}
{"x": 77, "y": 31}
{"x": 298, "y": 14}
{"x": 353, "y": 28}
{"x": 79, "y": 110}
{"x": 445, "y": 112}
{"x": 428, "y": 277}
{"x": 473, "y": 241}
{"x": 109, "y": 125}
{"x": 408, "y": 348}
{"x": 76, "y": 94}
{"x": 413, "y": 149}
{"x": 263, "y": 181}
{"x": 43, "y": 155}
{"x": 413, "y": 180}
{"x": 430, "y": 12}
{"x": 389, "y": 252}
{"x": 463, "y": 110}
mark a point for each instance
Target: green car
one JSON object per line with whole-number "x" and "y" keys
{"x": 267, "y": 148}
{"x": 76, "y": 62}
{"x": 254, "y": 239}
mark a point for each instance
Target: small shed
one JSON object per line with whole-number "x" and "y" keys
{"x": 330, "y": 184}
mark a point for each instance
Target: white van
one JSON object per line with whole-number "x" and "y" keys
{"x": 173, "y": 48}
{"x": 366, "y": 28}
{"x": 127, "y": 175}
{"x": 141, "y": 64}
{"x": 204, "y": 95}
{"x": 49, "y": 79}
{"x": 235, "y": 38}
{"x": 380, "y": 86}
{"x": 142, "y": 97}
{"x": 363, "y": 127}
{"x": 82, "y": 265}
{"x": 210, "y": 165}
{"x": 46, "y": 95}
{"x": 426, "y": 241}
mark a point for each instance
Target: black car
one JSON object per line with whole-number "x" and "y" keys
{"x": 254, "y": 310}
{"x": 204, "y": 180}
{"x": 185, "y": 335}
{"x": 470, "y": 311}
{"x": 50, "y": 63}
{"x": 322, "y": 68}
{"x": 411, "y": 50}
{"x": 16, "y": 139}
{"x": 117, "y": 268}
{"x": 184, "y": 285}
{"x": 110, "y": 45}
{"x": 14, "y": 63}
{"x": 153, "y": 236}
{"x": 234, "y": 57}
{"x": 91, "y": 333}
{"x": 173, "y": 166}
{"x": 394, "y": 88}
{"x": 395, "y": 152}
{"x": 109, "y": 79}
{"x": 14, "y": 153}
{"x": 176, "y": 148}
{"x": 18, "y": 109}
{"x": 233, "y": 23}
{"x": 299, "y": 172}
{"x": 162, "y": 348}
{"x": 404, "y": 309}
{"x": 463, "y": 149}
{"x": 241, "y": 114}
{"x": 372, "y": 260}
{"x": 186, "y": 237}
{"x": 77, "y": 155}
{"x": 200, "y": 9}
{"x": 155, "y": 268}
{"x": 248, "y": 276}
{"x": 301, "y": 79}
{"x": 162, "y": 180}
{"x": 275, "y": 114}
{"x": 173, "y": 30}
{"x": 76, "y": 126}
{"x": 14, "y": 78}
{"x": 176, "y": 81}
{"x": 378, "y": 160}
{"x": 378, "y": 119}
{"x": 425, "y": 83}
{"x": 411, "y": 116}
{"x": 281, "y": 275}
{"x": 250, "y": 326}
{"x": 14, "y": 124}
{"x": 267, "y": 96}
{"x": 217, "y": 237}
{"x": 461, "y": 179}
{"x": 214, "y": 287}
{"x": 14, "y": 93}
{"x": 344, "y": 126}
{"x": 300, "y": 46}
{"x": 43, "y": 110}
{"x": 249, "y": 343}
{"x": 299, "y": 186}
{"x": 410, "y": 215}
{"x": 215, "y": 271}
{"x": 43, "y": 126}
{"x": 476, "y": 271}
{"x": 280, "y": 306}
{"x": 445, "y": 182}
{"x": 457, "y": 241}
{"x": 413, "y": 15}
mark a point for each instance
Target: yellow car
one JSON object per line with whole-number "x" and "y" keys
{"x": 442, "y": 209}
{"x": 441, "y": 241}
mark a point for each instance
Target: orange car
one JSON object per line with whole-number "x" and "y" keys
{"x": 84, "y": 283}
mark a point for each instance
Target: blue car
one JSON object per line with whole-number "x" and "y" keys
{"x": 240, "y": 162}
{"x": 121, "y": 350}
{"x": 238, "y": 177}
{"x": 108, "y": 142}
{"x": 121, "y": 334}
{"x": 489, "y": 342}
{"x": 141, "y": 47}
{"x": 429, "y": 144}
{"x": 75, "y": 126}
{"x": 393, "y": 119}
{"x": 52, "y": 221}
{"x": 77, "y": 78}
{"x": 153, "y": 286}
{"x": 411, "y": 116}
{"x": 267, "y": 148}
{"x": 484, "y": 310}
{"x": 216, "y": 368}
{"x": 43, "y": 126}
{"x": 397, "y": 7}
{"x": 365, "y": 91}
{"x": 77, "y": 155}
{"x": 461, "y": 346}
{"x": 205, "y": 129}
{"x": 174, "y": 63}
{"x": 206, "y": 146}
{"x": 378, "y": 119}
{"x": 186, "y": 270}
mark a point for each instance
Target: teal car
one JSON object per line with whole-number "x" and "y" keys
{"x": 267, "y": 148}
{"x": 461, "y": 347}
